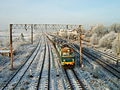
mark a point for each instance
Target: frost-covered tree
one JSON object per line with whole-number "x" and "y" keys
{"x": 106, "y": 41}
{"x": 94, "y": 39}
{"x": 100, "y": 30}
{"x": 115, "y": 27}
{"x": 116, "y": 44}
{"x": 88, "y": 34}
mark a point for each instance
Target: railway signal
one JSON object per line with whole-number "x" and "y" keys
{"x": 80, "y": 32}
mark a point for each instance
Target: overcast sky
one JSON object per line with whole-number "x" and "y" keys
{"x": 59, "y": 11}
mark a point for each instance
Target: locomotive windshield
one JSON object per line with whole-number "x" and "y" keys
{"x": 65, "y": 54}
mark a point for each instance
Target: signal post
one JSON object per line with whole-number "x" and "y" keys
{"x": 80, "y": 31}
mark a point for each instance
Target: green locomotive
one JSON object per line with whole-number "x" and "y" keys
{"x": 67, "y": 55}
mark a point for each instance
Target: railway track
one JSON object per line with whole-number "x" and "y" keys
{"x": 49, "y": 68}
{"x": 35, "y": 81}
{"x": 82, "y": 86}
{"x": 40, "y": 73}
{"x": 61, "y": 82}
{"x": 41, "y": 79}
{"x": 110, "y": 56}
{"x": 108, "y": 59}
{"x": 113, "y": 70}
{"x": 76, "y": 49}
{"x": 74, "y": 81}
{"x": 31, "y": 72}
{"x": 16, "y": 57}
{"x": 71, "y": 77}
{"x": 45, "y": 84}
{"x": 104, "y": 64}
{"x": 16, "y": 78}
{"x": 66, "y": 80}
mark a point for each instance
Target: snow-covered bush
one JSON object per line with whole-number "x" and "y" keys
{"x": 116, "y": 45}
{"x": 94, "y": 39}
{"x": 106, "y": 41}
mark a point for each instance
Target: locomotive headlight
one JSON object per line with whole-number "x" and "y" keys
{"x": 68, "y": 50}
{"x": 72, "y": 59}
{"x": 64, "y": 60}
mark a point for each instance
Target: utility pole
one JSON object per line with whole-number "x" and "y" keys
{"x": 11, "y": 50}
{"x": 32, "y": 33}
{"x": 118, "y": 48}
{"x": 80, "y": 31}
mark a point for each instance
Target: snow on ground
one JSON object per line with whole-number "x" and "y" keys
{"x": 59, "y": 76}
{"x": 104, "y": 79}
{"x": 31, "y": 76}
{"x": 22, "y": 49}
{"x": 3, "y": 60}
{"x": 96, "y": 76}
